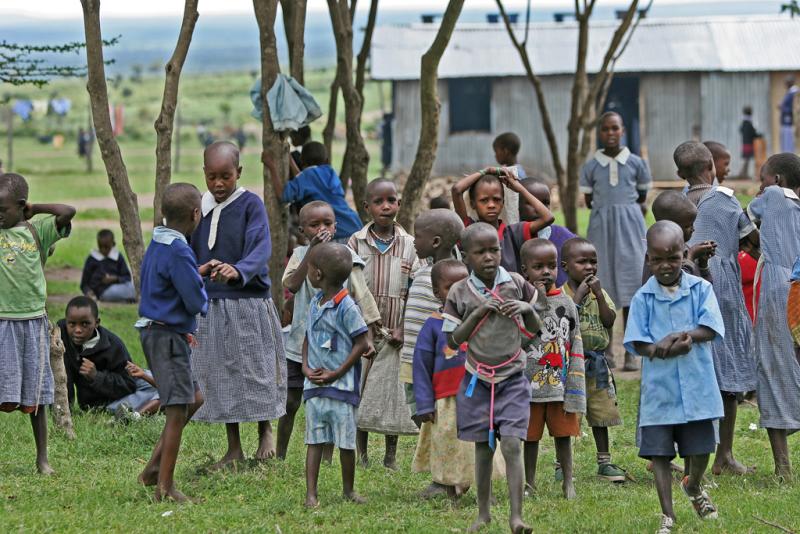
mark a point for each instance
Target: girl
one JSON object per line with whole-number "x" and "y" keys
{"x": 239, "y": 361}
{"x": 26, "y": 380}
{"x": 778, "y": 209}
{"x": 615, "y": 184}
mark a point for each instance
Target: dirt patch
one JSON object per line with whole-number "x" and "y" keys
{"x": 63, "y": 274}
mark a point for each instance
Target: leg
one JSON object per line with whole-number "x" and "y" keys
{"x": 362, "y": 438}
{"x": 348, "y": 459}
{"x": 600, "y": 434}
{"x": 483, "y": 479}
{"x": 266, "y": 448}
{"x": 39, "y": 425}
{"x": 313, "y": 458}
{"x": 327, "y": 453}
{"x": 390, "y": 457}
{"x": 234, "y": 453}
{"x": 564, "y": 455}
{"x": 150, "y": 408}
{"x": 170, "y": 445}
{"x": 531, "y": 457}
{"x": 663, "y": 475}
{"x": 512, "y": 453}
{"x": 631, "y": 364}
{"x": 724, "y": 460}
{"x": 780, "y": 452}
{"x": 294, "y": 397}
{"x": 691, "y": 487}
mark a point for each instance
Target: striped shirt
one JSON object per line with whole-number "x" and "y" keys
{"x": 420, "y": 305}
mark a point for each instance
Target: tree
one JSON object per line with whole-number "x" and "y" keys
{"x": 588, "y": 96}
{"x": 333, "y": 100}
{"x": 294, "y": 25}
{"x": 429, "y": 107}
{"x": 24, "y": 65}
{"x": 124, "y": 196}
{"x": 165, "y": 122}
{"x": 274, "y": 147}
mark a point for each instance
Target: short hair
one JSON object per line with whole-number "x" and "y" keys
{"x": 509, "y": 141}
{"x": 15, "y": 185}
{"x": 83, "y": 302}
{"x": 747, "y": 110}
{"x": 314, "y": 153}
{"x": 105, "y": 233}
{"x": 485, "y": 179}
{"x": 535, "y": 244}
{"x": 445, "y": 222}
{"x": 440, "y": 202}
{"x": 179, "y": 201}
{"x": 692, "y": 158}
{"x": 314, "y": 204}
{"x": 664, "y": 227}
{"x": 786, "y": 165}
{"x": 375, "y": 183}
{"x": 224, "y": 147}
{"x": 669, "y": 204}
{"x": 474, "y": 230}
{"x": 609, "y": 114}
{"x": 573, "y": 243}
{"x": 445, "y": 266}
{"x": 717, "y": 149}
{"x": 338, "y": 262}
{"x": 302, "y": 135}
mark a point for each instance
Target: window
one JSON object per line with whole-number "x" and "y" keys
{"x": 470, "y": 104}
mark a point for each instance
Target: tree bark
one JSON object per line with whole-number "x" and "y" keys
{"x": 357, "y": 156}
{"x": 294, "y": 24}
{"x": 429, "y": 107}
{"x": 330, "y": 120}
{"x": 61, "y": 407}
{"x": 274, "y": 147}
{"x": 127, "y": 204}
{"x": 166, "y": 119}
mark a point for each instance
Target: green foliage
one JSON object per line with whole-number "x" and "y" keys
{"x": 792, "y": 7}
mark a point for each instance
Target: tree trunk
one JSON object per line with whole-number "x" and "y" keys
{"x": 61, "y": 407}
{"x": 357, "y": 156}
{"x": 294, "y": 24}
{"x": 330, "y": 120}
{"x": 166, "y": 119}
{"x": 273, "y": 145}
{"x": 429, "y": 107}
{"x": 124, "y": 196}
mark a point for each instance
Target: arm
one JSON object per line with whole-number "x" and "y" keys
{"x": 465, "y": 329}
{"x": 463, "y": 185}
{"x": 586, "y": 185}
{"x": 277, "y": 180}
{"x": 187, "y": 281}
{"x": 575, "y": 386}
{"x": 643, "y": 181}
{"x": 124, "y": 275}
{"x": 607, "y": 312}
{"x": 63, "y": 213}
{"x": 423, "y": 365}
{"x": 256, "y": 251}
{"x": 137, "y": 372}
{"x": 308, "y": 372}
{"x": 327, "y": 376}
{"x": 114, "y": 382}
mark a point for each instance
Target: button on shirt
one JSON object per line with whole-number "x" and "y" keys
{"x": 681, "y": 389}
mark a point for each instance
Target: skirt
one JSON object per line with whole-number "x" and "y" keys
{"x": 383, "y": 407}
{"x": 26, "y": 380}
{"x": 239, "y": 362}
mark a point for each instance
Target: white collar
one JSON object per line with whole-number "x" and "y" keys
{"x": 605, "y": 160}
{"x": 209, "y": 203}
{"x": 165, "y": 236}
{"x": 113, "y": 254}
{"x": 92, "y": 343}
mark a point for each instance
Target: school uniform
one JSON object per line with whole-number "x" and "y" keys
{"x": 97, "y": 266}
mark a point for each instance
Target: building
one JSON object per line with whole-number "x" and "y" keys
{"x": 678, "y": 79}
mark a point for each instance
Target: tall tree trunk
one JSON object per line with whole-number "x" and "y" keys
{"x": 429, "y": 107}
{"x": 61, "y": 407}
{"x": 330, "y": 120}
{"x": 357, "y": 156}
{"x": 273, "y": 146}
{"x": 166, "y": 119}
{"x": 127, "y": 204}
{"x": 294, "y": 24}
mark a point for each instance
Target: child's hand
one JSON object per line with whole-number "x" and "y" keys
{"x": 512, "y": 308}
{"x": 224, "y": 273}
{"x": 701, "y": 252}
{"x": 370, "y": 352}
{"x": 88, "y": 370}
{"x": 109, "y": 279}
{"x": 427, "y": 417}
{"x": 396, "y": 337}
{"x": 310, "y": 372}
{"x": 134, "y": 370}
{"x": 323, "y": 236}
{"x": 324, "y": 376}
{"x": 206, "y": 268}
{"x": 682, "y": 345}
{"x": 489, "y": 305}
{"x": 594, "y": 284}
{"x": 541, "y": 295}
{"x": 582, "y": 291}
{"x": 662, "y": 348}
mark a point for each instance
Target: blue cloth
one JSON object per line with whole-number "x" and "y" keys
{"x": 787, "y": 106}
{"x": 437, "y": 369}
{"x": 172, "y": 291}
{"x": 331, "y": 329}
{"x": 330, "y": 421}
{"x": 291, "y": 106}
{"x": 23, "y": 109}
{"x": 243, "y": 240}
{"x": 796, "y": 270}
{"x": 322, "y": 183}
{"x": 681, "y": 389}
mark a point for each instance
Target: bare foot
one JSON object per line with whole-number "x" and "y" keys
{"x": 43, "y": 467}
{"x": 518, "y": 526}
{"x": 354, "y": 498}
{"x": 390, "y": 463}
{"x": 228, "y": 461}
{"x": 732, "y": 467}
{"x": 266, "y": 449}
{"x": 148, "y": 477}
{"x": 480, "y": 523}
{"x": 432, "y": 491}
{"x": 172, "y": 495}
{"x": 311, "y": 501}
{"x": 569, "y": 490}
{"x": 784, "y": 473}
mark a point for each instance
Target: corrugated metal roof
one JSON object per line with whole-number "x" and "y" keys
{"x": 725, "y": 44}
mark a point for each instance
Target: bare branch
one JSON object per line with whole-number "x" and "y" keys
{"x": 363, "y": 54}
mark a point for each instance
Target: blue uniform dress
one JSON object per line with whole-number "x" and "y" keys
{"x": 720, "y": 218}
{"x": 778, "y": 371}
{"x": 616, "y": 225}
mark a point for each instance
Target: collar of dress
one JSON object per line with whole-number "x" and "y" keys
{"x": 113, "y": 254}
{"x": 604, "y": 160}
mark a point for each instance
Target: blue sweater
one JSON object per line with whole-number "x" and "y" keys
{"x": 172, "y": 291}
{"x": 243, "y": 241}
{"x": 437, "y": 369}
{"x": 322, "y": 183}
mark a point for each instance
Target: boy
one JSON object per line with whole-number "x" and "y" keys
{"x": 749, "y": 134}
{"x": 679, "y": 396}
{"x": 172, "y": 294}
{"x": 554, "y": 366}
{"x": 336, "y": 338}
{"x": 96, "y": 362}
{"x": 597, "y": 314}
{"x": 722, "y": 160}
{"x": 105, "y": 273}
{"x": 318, "y": 181}
{"x": 491, "y": 310}
{"x": 506, "y": 147}
{"x": 318, "y": 225}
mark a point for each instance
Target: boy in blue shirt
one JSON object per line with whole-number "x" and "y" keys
{"x": 336, "y": 337}
{"x": 172, "y": 294}
{"x": 673, "y": 319}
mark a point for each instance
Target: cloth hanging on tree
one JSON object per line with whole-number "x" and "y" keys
{"x": 291, "y": 106}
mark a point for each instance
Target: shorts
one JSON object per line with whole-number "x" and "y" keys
{"x": 330, "y": 421}
{"x": 511, "y": 408}
{"x": 169, "y": 359}
{"x": 294, "y": 374}
{"x": 693, "y": 439}
{"x": 601, "y": 405}
{"x": 560, "y": 424}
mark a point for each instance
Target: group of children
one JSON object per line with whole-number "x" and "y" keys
{"x": 487, "y": 325}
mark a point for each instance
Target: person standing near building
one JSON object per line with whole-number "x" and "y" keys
{"x": 786, "y": 107}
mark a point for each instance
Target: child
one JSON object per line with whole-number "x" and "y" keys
{"x": 239, "y": 362}
{"x": 105, "y": 273}
{"x": 749, "y": 134}
{"x": 491, "y": 310}
{"x": 778, "y": 210}
{"x": 615, "y": 185}
{"x": 674, "y": 317}
{"x": 597, "y": 314}
{"x": 720, "y": 219}
{"x": 485, "y": 189}
{"x": 96, "y": 362}
{"x": 318, "y": 181}
{"x": 336, "y": 338}
{"x": 695, "y": 164}
{"x": 438, "y": 371}
{"x": 554, "y": 366}
{"x": 390, "y": 257}
{"x": 506, "y": 147}
{"x": 172, "y": 295}
{"x": 722, "y": 160}
{"x": 318, "y": 225}
{"x": 26, "y": 380}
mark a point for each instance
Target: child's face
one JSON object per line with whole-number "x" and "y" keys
{"x": 446, "y": 281}
{"x": 315, "y": 275}
{"x": 542, "y": 194}
{"x": 483, "y": 256}
{"x": 665, "y": 258}
{"x": 81, "y": 325}
{"x": 317, "y": 219}
{"x": 382, "y": 204}
{"x": 581, "y": 262}
{"x": 722, "y": 165}
{"x": 488, "y": 201}
{"x": 105, "y": 244}
{"x": 611, "y": 132}
{"x": 221, "y": 175}
{"x": 11, "y": 210}
{"x": 541, "y": 265}
{"x": 426, "y": 241}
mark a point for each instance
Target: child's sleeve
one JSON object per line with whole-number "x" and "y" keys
{"x": 257, "y": 245}
{"x": 643, "y": 176}
{"x": 423, "y": 365}
{"x": 586, "y": 181}
{"x": 638, "y": 328}
{"x": 363, "y": 297}
{"x": 454, "y": 309}
{"x": 124, "y": 275}
{"x": 744, "y": 224}
{"x": 353, "y": 322}
{"x": 575, "y": 387}
{"x": 115, "y": 382}
{"x": 184, "y": 276}
{"x": 291, "y": 267}
{"x": 48, "y": 232}
{"x": 294, "y": 190}
{"x": 708, "y": 313}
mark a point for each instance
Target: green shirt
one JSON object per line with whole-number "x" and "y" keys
{"x": 595, "y": 335}
{"x": 23, "y": 290}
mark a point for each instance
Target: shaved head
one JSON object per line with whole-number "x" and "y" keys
{"x": 222, "y": 149}
{"x": 475, "y": 231}
{"x": 179, "y": 202}
{"x": 692, "y": 159}
{"x": 441, "y": 222}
